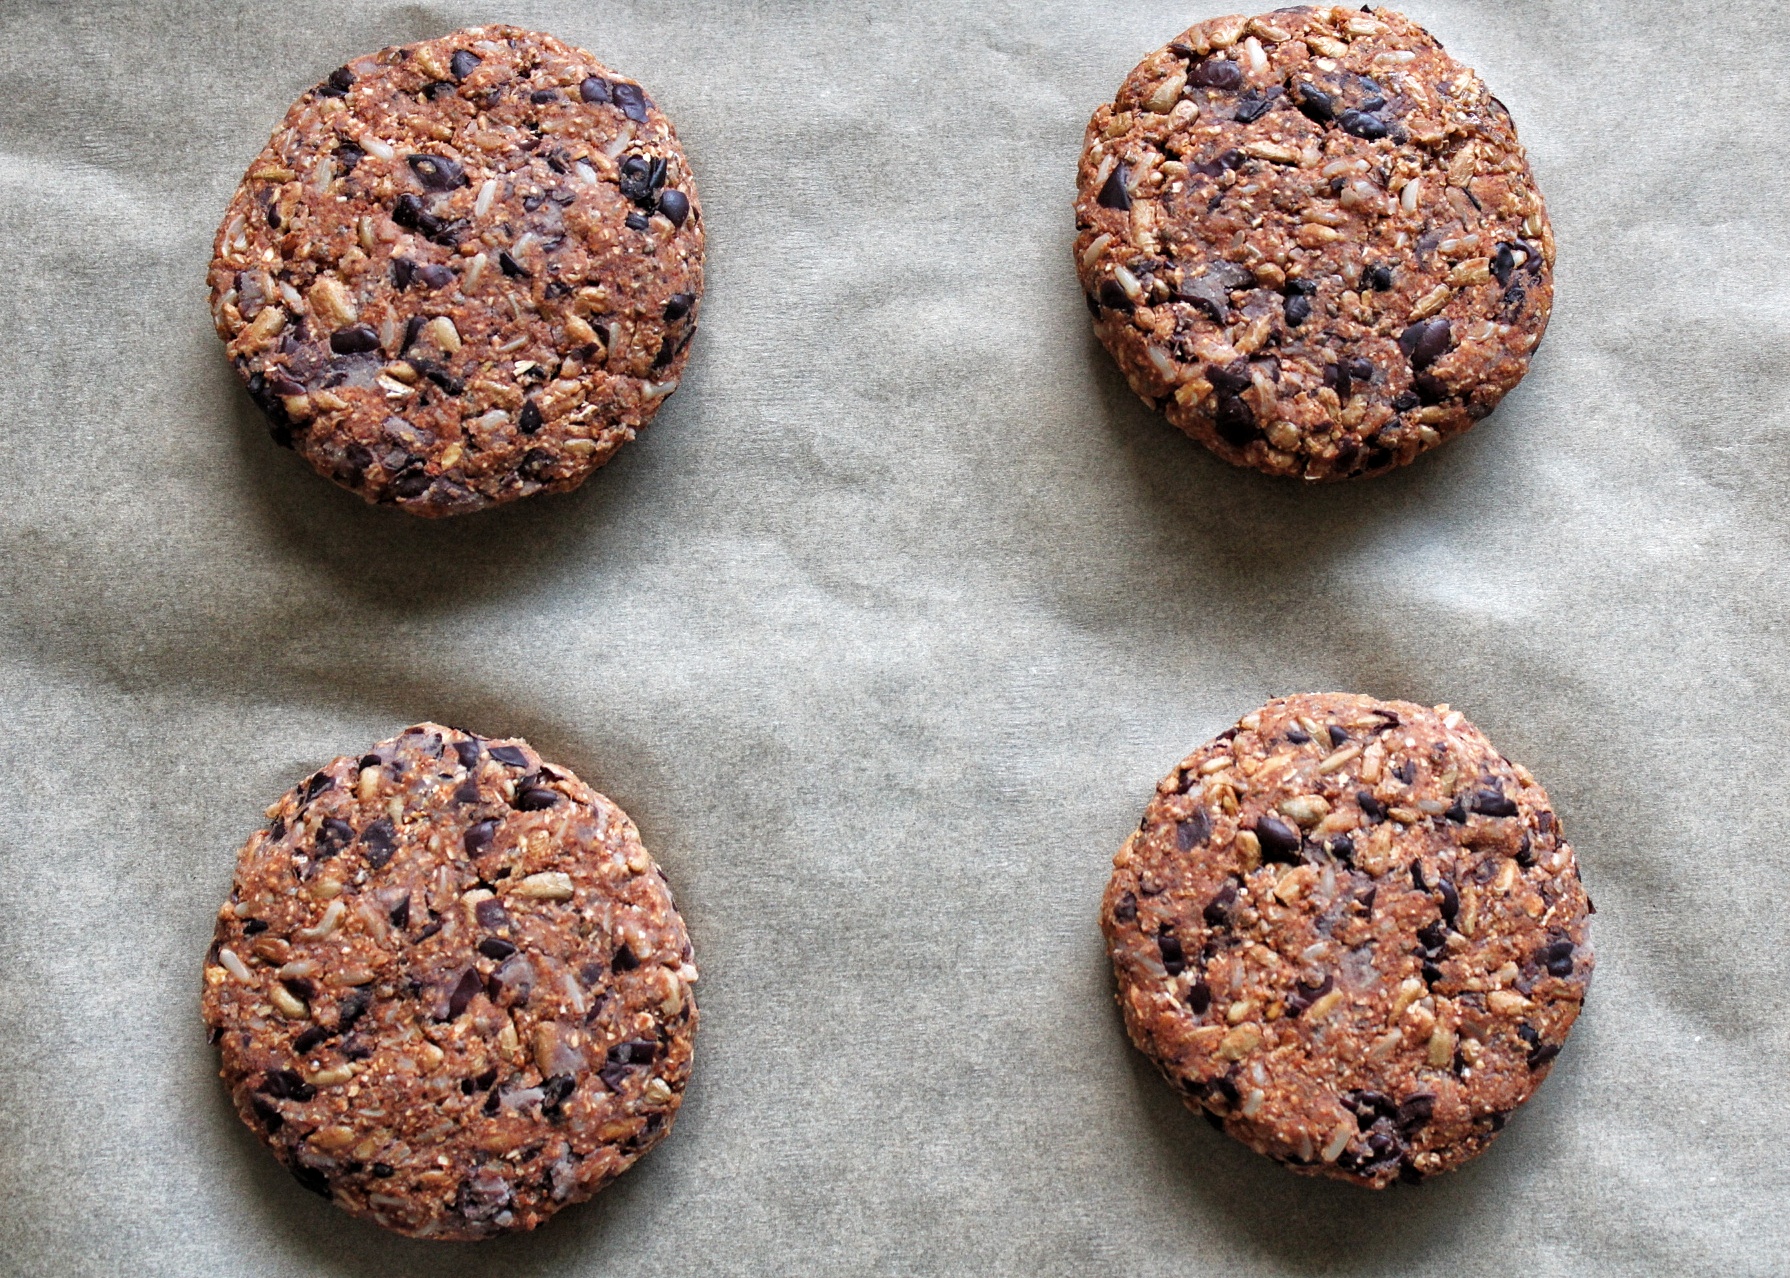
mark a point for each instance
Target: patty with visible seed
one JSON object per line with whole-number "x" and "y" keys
{"x": 462, "y": 271}
{"x": 1352, "y": 934}
{"x": 450, "y": 987}
{"x": 1312, "y": 240}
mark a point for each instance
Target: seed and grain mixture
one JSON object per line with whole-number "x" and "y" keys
{"x": 450, "y": 987}
{"x": 1312, "y": 240}
{"x": 1352, "y": 933}
{"x": 462, "y": 271}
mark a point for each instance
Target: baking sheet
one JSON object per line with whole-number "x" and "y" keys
{"x": 883, "y": 633}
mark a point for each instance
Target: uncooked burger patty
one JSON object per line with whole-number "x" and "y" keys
{"x": 450, "y": 988}
{"x": 462, "y": 271}
{"x": 1352, "y": 934}
{"x": 1312, "y": 240}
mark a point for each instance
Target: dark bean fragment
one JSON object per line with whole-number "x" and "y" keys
{"x": 311, "y": 1178}
{"x": 1431, "y": 973}
{"x": 1234, "y": 419}
{"x": 434, "y": 276}
{"x": 1338, "y": 735}
{"x": 1252, "y": 106}
{"x": 1541, "y": 1054}
{"x": 1405, "y": 770}
{"x": 1379, "y": 278}
{"x": 380, "y": 841}
{"x": 399, "y": 914}
{"x": 495, "y": 947}
{"x": 1494, "y": 803}
{"x": 1415, "y": 1112}
{"x": 463, "y": 63}
{"x": 1304, "y": 995}
{"x": 1194, "y": 831}
{"x": 1216, "y": 73}
{"x": 348, "y": 155}
{"x": 554, "y": 1093}
{"x": 1451, "y": 900}
{"x": 1114, "y": 193}
{"x": 678, "y": 306}
{"x": 631, "y": 100}
{"x": 675, "y": 205}
{"x": 468, "y": 752}
{"x": 310, "y": 1039}
{"x": 638, "y": 1051}
{"x": 356, "y": 339}
{"x": 529, "y": 420}
{"x": 1218, "y": 910}
{"x": 271, "y": 1119}
{"x": 509, "y": 756}
{"x": 490, "y": 913}
{"x": 594, "y": 89}
{"x": 479, "y": 836}
{"x": 403, "y": 272}
{"x": 315, "y": 785}
{"x": 283, "y": 1084}
{"x": 535, "y": 798}
{"x": 624, "y": 960}
{"x": 1433, "y": 938}
{"x": 1174, "y": 960}
{"x": 1341, "y": 847}
{"x": 1362, "y": 125}
{"x": 1425, "y": 342}
{"x": 1296, "y": 309}
{"x": 338, "y": 83}
{"x": 1125, "y": 909}
{"x": 437, "y": 172}
{"x": 1279, "y": 839}
{"x": 1417, "y": 880}
{"x": 1199, "y": 998}
{"x": 636, "y": 221}
{"x": 469, "y": 987}
{"x": 1315, "y": 104}
{"x": 1557, "y": 958}
{"x": 492, "y": 1102}
{"x": 1113, "y": 297}
{"x": 540, "y": 97}
{"x": 1371, "y": 808}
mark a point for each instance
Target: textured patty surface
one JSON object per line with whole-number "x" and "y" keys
{"x": 1352, "y": 933}
{"x": 1312, "y": 240}
{"x": 462, "y": 271}
{"x": 450, "y": 988}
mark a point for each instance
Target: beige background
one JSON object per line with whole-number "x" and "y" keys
{"x": 883, "y": 633}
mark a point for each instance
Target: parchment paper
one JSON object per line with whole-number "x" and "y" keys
{"x": 883, "y": 633}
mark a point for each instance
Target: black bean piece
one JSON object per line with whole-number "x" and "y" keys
{"x": 1426, "y": 341}
{"x": 271, "y": 1119}
{"x": 434, "y": 276}
{"x": 495, "y": 947}
{"x": 1415, "y": 1112}
{"x": 1113, "y": 297}
{"x": 509, "y": 756}
{"x": 380, "y": 841}
{"x": 540, "y": 97}
{"x": 1252, "y": 106}
{"x": 1279, "y": 839}
{"x": 283, "y": 1084}
{"x": 631, "y": 100}
{"x": 1431, "y": 973}
{"x": 1457, "y": 811}
{"x": 555, "y": 1091}
{"x": 1296, "y": 309}
{"x": 1315, "y": 104}
{"x": 468, "y": 752}
{"x": 403, "y": 272}
{"x": 1338, "y": 735}
{"x": 413, "y": 329}
{"x": 1216, "y": 73}
{"x": 491, "y": 1103}
{"x": 1379, "y": 278}
{"x": 529, "y": 420}
{"x": 411, "y": 483}
{"x": 437, "y": 172}
{"x": 1125, "y": 908}
{"x": 469, "y": 987}
{"x": 352, "y": 1009}
{"x": 1494, "y": 803}
{"x": 1417, "y": 880}
{"x": 1541, "y": 1054}
{"x": 1174, "y": 960}
{"x": 315, "y": 785}
{"x": 332, "y": 836}
{"x": 491, "y": 914}
{"x": 311, "y": 1178}
{"x": 624, "y": 960}
{"x": 636, "y": 221}
{"x": 1341, "y": 847}
{"x": 356, "y": 339}
{"x": 1557, "y": 958}
{"x": 479, "y": 836}
{"x": 1234, "y": 419}
{"x": 1362, "y": 125}
{"x": 594, "y": 89}
{"x": 1218, "y": 910}
{"x": 1451, "y": 900}
{"x": 309, "y": 1039}
{"x": 399, "y": 914}
{"x": 337, "y": 84}
{"x": 1433, "y": 938}
{"x": 1298, "y": 736}
{"x": 1504, "y": 261}
{"x": 463, "y": 63}
{"x": 535, "y": 798}
{"x": 678, "y": 306}
{"x": 675, "y": 205}
{"x": 1194, "y": 831}
{"x": 1113, "y": 192}
{"x": 1199, "y": 998}
{"x": 1371, "y": 807}
{"x": 1304, "y": 995}
{"x": 1359, "y": 369}
{"x": 510, "y": 266}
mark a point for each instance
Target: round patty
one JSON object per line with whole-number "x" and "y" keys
{"x": 1352, "y": 933}
{"x": 462, "y": 271}
{"x": 450, "y": 987}
{"x": 1312, "y": 240}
